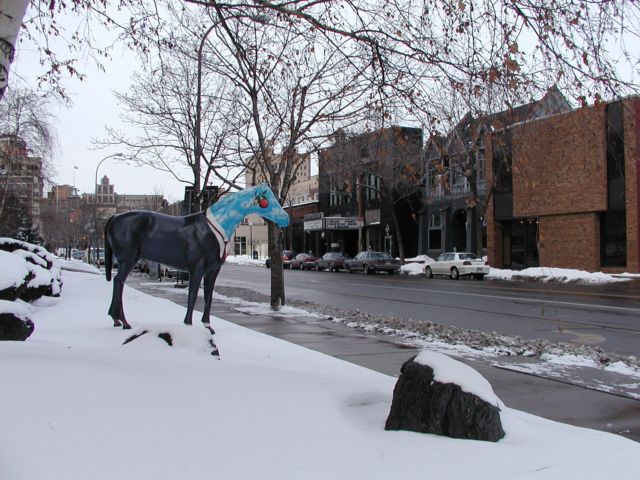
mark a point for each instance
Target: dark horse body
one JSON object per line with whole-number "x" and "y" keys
{"x": 195, "y": 243}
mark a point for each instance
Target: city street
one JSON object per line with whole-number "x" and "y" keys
{"x": 603, "y": 315}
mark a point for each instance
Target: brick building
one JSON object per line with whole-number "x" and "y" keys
{"x": 565, "y": 190}
{"x": 21, "y": 175}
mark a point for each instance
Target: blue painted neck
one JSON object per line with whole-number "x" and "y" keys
{"x": 230, "y": 210}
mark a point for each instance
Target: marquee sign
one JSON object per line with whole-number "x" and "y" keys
{"x": 343, "y": 223}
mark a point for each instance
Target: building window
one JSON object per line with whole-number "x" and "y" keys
{"x": 435, "y": 232}
{"x": 334, "y": 196}
{"x": 372, "y": 187}
{"x": 480, "y": 166}
{"x": 240, "y": 245}
{"x": 613, "y": 239}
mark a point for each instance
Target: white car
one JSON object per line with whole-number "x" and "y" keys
{"x": 456, "y": 265}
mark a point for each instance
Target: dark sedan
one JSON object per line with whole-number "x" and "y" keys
{"x": 370, "y": 262}
{"x": 287, "y": 256}
{"x": 332, "y": 261}
{"x": 303, "y": 261}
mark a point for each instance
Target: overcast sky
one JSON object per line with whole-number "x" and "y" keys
{"x": 94, "y": 107}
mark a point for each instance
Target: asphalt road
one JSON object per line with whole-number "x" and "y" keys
{"x": 608, "y": 316}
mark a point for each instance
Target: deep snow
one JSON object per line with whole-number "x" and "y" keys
{"x": 78, "y": 404}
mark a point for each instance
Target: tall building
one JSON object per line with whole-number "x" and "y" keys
{"x": 20, "y": 175}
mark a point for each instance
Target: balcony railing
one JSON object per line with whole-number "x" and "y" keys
{"x": 440, "y": 192}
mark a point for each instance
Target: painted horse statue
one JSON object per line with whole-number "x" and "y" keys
{"x": 197, "y": 243}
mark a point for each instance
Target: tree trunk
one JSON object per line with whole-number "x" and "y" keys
{"x": 476, "y": 222}
{"x": 11, "y": 15}
{"x": 277, "y": 273}
{"x": 396, "y": 227}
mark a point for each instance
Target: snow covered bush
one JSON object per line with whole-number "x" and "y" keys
{"x": 14, "y": 276}
{"x": 44, "y": 278}
{"x": 15, "y": 323}
{"x": 27, "y": 273}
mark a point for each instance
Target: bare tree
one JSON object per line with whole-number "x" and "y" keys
{"x": 294, "y": 88}
{"x": 180, "y": 115}
{"x": 587, "y": 48}
{"x": 25, "y": 116}
{"x": 385, "y": 166}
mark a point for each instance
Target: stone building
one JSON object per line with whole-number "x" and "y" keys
{"x": 566, "y": 190}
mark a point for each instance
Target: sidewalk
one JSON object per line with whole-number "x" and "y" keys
{"x": 563, "y": 400}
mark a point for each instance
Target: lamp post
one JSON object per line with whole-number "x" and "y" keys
{"x": 95, "y": 204}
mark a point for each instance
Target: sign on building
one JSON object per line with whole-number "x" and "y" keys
{"x": 343, "y": 223}
{"x": 313, "y": 221}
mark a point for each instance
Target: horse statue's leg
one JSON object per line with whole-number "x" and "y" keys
{"x": 195, "y": 279}
{"x": 116, "y": 310}
{"x": 209, "y": 283}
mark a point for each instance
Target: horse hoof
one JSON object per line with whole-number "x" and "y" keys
{"x": 126, "y": 326}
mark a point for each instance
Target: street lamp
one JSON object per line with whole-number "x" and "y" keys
{"x": 95, "y": 203}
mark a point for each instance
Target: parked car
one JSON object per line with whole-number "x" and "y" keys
{"x": 303, "y": 261}
{"x": 287, "y": 256}
{"x": 370, "y": 262}
{"x": 142, "y": 266}
{"x": 178, "y": 275}
{"x": 456, "y": 265}
{"x": 78, "y": 254}
{"x": 332, "y": 261}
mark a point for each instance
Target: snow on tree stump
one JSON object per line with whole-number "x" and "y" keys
{"x": 15, "y": 323}
{"x": 439, "y": 395}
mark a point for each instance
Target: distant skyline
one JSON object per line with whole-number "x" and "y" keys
{"x": 94, "y": 107}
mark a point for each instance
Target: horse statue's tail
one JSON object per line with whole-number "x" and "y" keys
{"x": 108, "y": 253}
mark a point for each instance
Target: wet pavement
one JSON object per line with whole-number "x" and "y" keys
{"x": 576, "y": 399}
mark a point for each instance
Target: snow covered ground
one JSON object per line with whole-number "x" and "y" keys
{"x": 76, "y": 403}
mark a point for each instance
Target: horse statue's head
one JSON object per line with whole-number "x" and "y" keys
{"x": 265, "y": 204}
{"x": 229, "y": 211}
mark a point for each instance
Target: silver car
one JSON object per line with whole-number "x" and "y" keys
{"x": 456, "y": 265}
